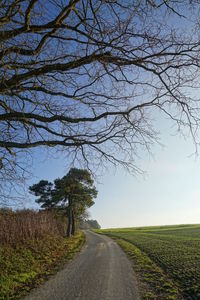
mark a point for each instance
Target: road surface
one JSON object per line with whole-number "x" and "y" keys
{"x": 101, "y": 271}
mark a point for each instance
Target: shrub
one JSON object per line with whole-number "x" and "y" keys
{"x": 17, "y": 226}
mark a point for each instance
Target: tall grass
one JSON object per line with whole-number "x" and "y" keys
{"x": 18, "y": 226}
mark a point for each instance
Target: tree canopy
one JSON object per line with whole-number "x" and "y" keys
{"x": 73, "y": 193}
{"x": 86, "y": 76}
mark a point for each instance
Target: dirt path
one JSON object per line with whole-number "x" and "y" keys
{"x": 100, "y": 272}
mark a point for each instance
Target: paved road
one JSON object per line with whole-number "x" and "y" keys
{"x": 100, "y": 272}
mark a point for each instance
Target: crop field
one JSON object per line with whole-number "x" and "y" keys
{"x": 166, "y": 259}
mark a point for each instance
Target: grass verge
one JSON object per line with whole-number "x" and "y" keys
{"x": 26, "y": 265}
{"x": 153, "y": 282}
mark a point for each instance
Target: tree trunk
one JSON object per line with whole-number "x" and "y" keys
{"x": 69, "y": 215}
{"x": 73, "y": 224}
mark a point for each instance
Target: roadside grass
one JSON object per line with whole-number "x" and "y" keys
{"x": 153, "y": 283}
{"x": 166, "y": 259}
{"x": 27, "y": 264}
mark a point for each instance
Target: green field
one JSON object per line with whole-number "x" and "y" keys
{"x": 166, "y": 259}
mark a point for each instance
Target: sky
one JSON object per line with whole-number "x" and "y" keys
{"x": 168, "y": 193}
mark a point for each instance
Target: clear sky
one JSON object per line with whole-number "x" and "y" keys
{"x": 168, "y": 194}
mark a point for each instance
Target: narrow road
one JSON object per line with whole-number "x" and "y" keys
{"x": 100, "y": 272}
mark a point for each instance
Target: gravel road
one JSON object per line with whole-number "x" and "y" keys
{"x": 100, "y": 272}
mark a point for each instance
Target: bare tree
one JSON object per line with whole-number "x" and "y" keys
{"x": 85, "y": 76}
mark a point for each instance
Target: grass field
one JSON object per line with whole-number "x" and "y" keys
{"x": 166, "y": 259}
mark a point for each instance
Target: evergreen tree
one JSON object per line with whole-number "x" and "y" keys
{"x": 74, "y": 193}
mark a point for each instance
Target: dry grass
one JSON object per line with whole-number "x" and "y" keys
{"x": 21, "y": 225}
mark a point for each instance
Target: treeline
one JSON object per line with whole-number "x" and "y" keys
{"x": 18, "y": 226}
{"x": 89, "y": 224}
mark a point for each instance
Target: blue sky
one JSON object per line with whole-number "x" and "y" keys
{"x": 169, "y": 193}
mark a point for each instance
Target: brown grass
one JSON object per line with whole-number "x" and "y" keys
{"x": 21, "y": 225}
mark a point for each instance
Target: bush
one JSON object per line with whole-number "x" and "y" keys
{"x": 17, "y": 226}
